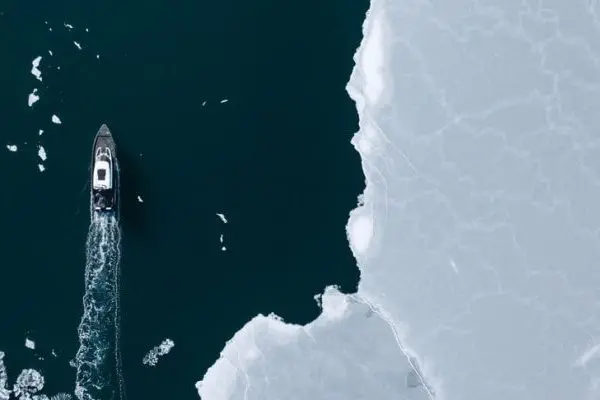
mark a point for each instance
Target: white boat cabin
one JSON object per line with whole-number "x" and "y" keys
{"x": 102, "y": 178}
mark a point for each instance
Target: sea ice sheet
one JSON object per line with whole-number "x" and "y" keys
{"x": 349, "y": 352}
{"x": 478, "y": 237}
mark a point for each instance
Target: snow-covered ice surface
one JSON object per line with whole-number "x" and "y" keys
{"x": 478, "y": 237}
{"x": 347, "y": 353}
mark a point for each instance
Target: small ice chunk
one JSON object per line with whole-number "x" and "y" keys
{"x": 151, "y": 358}
{"x": 42, "y": 153}
{"x": 68, "y": 26}
{"x": 12, "y": 147}
{"x": 203, "y": 103}
{"x": 40, "y": 132}
{"x": 30, "y": 344}
{"x": 98, "y": 56}
{"x": 224, "y": 101}
{"x": 53, "y": 352}
{"x": 87, "y": 30}
{"x": 223, "y": 248}
{"x": 41, "y": 167}
{"x": 33, "y": 97}
{"x": 56, "y": 120}
{"x": 77, "y": 45}
{"x": 50, "y": 52}
{"x": 222, "y": 216}
{"x": 34, "y": 68}
{"x": 139, "y": 198}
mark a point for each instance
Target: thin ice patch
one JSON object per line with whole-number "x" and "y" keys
{"x": 151, "y": 358}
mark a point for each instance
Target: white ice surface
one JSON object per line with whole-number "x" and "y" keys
{"x": 56, "y": 120}
{"x": 349, "y": 352}
{"x": 478, "y": 238}
{"x": 12, "y": 147}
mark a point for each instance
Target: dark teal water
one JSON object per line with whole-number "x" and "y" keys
{"x": 276, "y": 159}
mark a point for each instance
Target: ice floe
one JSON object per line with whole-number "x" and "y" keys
{"x": 222, "y": 217}
{"x": 139, "y": 199}
{"x": 77, "y": 45}
{"x": 35, "y": 68}
{"x": 12, "y": 147}
{"x": 68, "y": 26}
{"x": 56, "y": 120}
{"x": 30, "y": 344}
{"x": 42, "y": 153}
{"x": 224, "y": 101}
{"x": 33, "y": 98}
{"x": 152, "y": 357}
{"x": 41, "y": 167}
{"x": 40, "y": 132}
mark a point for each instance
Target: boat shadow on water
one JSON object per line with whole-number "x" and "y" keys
{"x": 131, "y": 215}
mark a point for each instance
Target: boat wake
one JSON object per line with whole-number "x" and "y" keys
{"x": 98, "y": 360}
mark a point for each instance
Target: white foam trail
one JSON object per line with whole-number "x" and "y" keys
{"x": 98, "y": 359}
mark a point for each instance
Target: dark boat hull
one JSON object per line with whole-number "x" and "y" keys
{"x": 105, "y": 200}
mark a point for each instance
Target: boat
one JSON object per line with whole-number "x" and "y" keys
{"x": 105, "y": 173}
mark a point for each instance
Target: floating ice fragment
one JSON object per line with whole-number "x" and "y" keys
{"x": 68, "y": 26}
{"x": 87, "y": 30}
{"x": 77, "y": 45}
{"x": 41, "y": 167}
{"x": 30, "y": 344}
{"x": 221, "y": 238}
{"x": 203, "y": 103}
{"x": 222, "y": 216}
{"x": 139, "y": 198}
{"x": 34, "y": 68}
{"x": 53, "y": 352}
{"x": 42, "y": 153}
{"x": 40, "y": 132}
{"x": 224, "y": 101}
{"x": 98, "y": 56}
{"x": 56, "y": 120}
{"x": 151, "y": 358}
{"x": 28, "y": 383}
{"x": 4, "y": 392}
{"x": 33, "y": 97}
{"x": 12, "y": 147}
